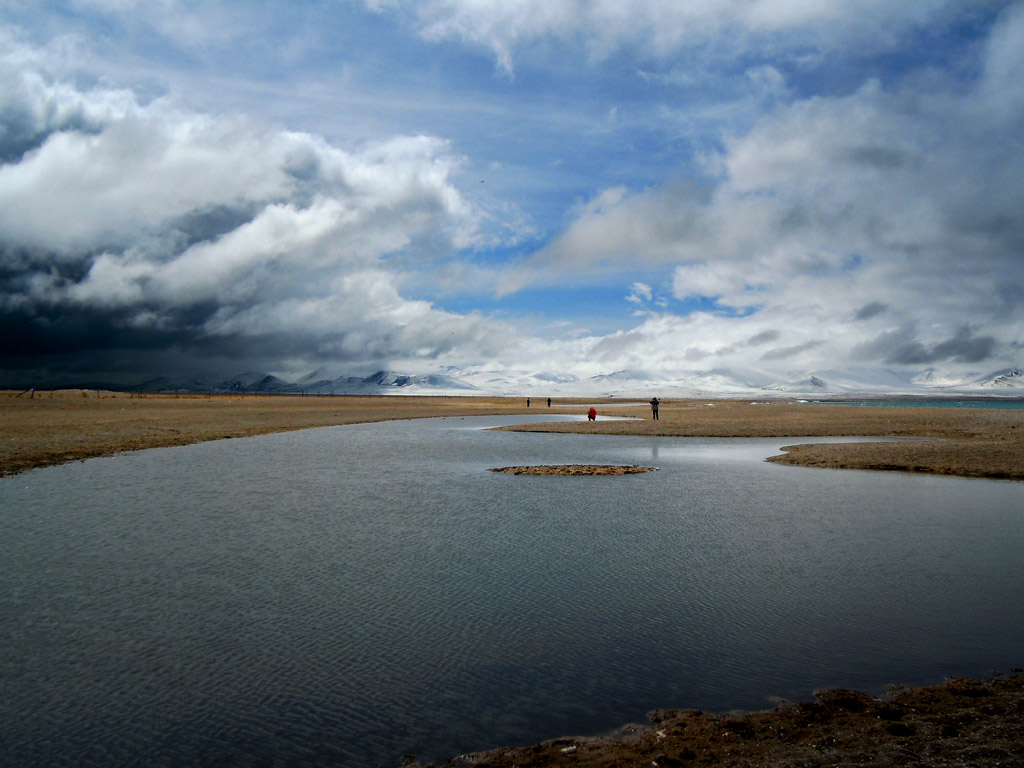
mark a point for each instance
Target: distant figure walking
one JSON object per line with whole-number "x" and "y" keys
{"x": 592, "y": 414}
{"x": 527, "y": 402}
{"x": 654, "y": 408}
{"x": 549, "y": 402}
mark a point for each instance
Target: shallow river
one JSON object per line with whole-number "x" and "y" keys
{"x": 346, "y": 596}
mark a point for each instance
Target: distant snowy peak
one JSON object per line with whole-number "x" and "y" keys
{"x": 317, "y": 377}
{"x": 428, "y": 381}
{"x": 622, "y": 383}
{"x": 1011, "y": 378}
{"x": 253, "y": 382}
{"x": 627, "y": 375}
{"x": 723, "y": 381}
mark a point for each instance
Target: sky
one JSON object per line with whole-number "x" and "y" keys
{"x": 198, "y": 188}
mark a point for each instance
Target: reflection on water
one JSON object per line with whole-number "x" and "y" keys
{"x": 345, "y": 596}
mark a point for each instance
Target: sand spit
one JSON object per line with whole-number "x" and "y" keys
{"x": 54, "y": 428}
{"x": 962, "y": 722}
{"x": 70, "y": 426}
{"x": 575, "y": 469}
{"x": 970, "y": 442}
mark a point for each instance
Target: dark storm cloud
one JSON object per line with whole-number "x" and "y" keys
{"x": 765, "y": 337}
{"x": 23, "y": 127}
{"x": 784, "y": 352}
{"x": 133, "y": 231}
{"x": 901, "y": 346}
{"x": 868, "y": 311}
{"x": 965, "y": 348}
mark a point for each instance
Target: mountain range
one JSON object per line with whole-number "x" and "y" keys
{"x": 853, "y": 382}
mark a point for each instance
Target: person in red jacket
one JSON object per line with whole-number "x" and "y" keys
{"x": 592, "y": 414}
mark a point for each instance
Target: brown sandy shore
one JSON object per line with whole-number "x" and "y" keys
{"x": 960, "y": 723}
{"x": 69, "y": 426}
{"x": 971, "y": 442}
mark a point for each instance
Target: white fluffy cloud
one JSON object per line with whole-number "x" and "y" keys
{"x": 905, "y": 198}
{"x": 162, "y": 219}
{"x": 824, "y": 204}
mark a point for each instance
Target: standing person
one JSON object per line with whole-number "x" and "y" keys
{"x": 527, "y": 402}
{"x": 654, "y": 408}
{"x": 592, "y": 414}
{"x": 549, "y": 402}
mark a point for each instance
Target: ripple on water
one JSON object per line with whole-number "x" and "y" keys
{"x": 346, "y": 596}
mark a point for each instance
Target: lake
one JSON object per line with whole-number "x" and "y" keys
{"x": 349, "y": 595}
{"x": 1004, "y": 404}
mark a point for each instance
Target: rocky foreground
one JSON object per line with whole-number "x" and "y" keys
{"x": 962, "y": 722}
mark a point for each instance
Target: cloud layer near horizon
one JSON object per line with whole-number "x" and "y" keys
{"x": 873, "y": 223}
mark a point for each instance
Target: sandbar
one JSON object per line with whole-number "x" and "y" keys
{"x": 54, "y": 428}
{"x": 969, "y": 442}
{"x": 575, "y": 470}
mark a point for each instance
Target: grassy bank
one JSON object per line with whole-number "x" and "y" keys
{"x": 970, "y": 442}
{"x": 53, "y": 428}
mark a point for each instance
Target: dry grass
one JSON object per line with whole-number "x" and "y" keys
{"x": 70, "y": 426}
{"x": 972, "y": 442}
{"x": 42, "y": 431}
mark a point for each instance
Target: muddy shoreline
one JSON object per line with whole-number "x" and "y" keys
{"x": 968, "y": 442}
{"x": 71, "y": 426}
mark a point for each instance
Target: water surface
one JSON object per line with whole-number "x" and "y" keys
{"x": 1010, "y": 404}
{"x": 345, "y": 596}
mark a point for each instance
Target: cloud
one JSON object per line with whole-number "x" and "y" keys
{"x": 783, "y": 353}
{"x": 785, "y": 185}
{"x": 900, "y": 346}
{"x": 868, "y": 311}
{"x": 658, "y": 29}
{"x": 640, "y": 293}
{"x": 142, "y": 225}
{"x": 897, "y": 205}
{"x": 764, "y": 337}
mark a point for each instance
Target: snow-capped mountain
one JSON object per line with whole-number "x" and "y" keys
{"x": 252, "y": 382}
{"x": 851, "y": 382}
{"x": 1008, "y": 379}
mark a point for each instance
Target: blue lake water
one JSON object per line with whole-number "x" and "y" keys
{"x": 999, "y": 404}
{"x": 346, "y": 596}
